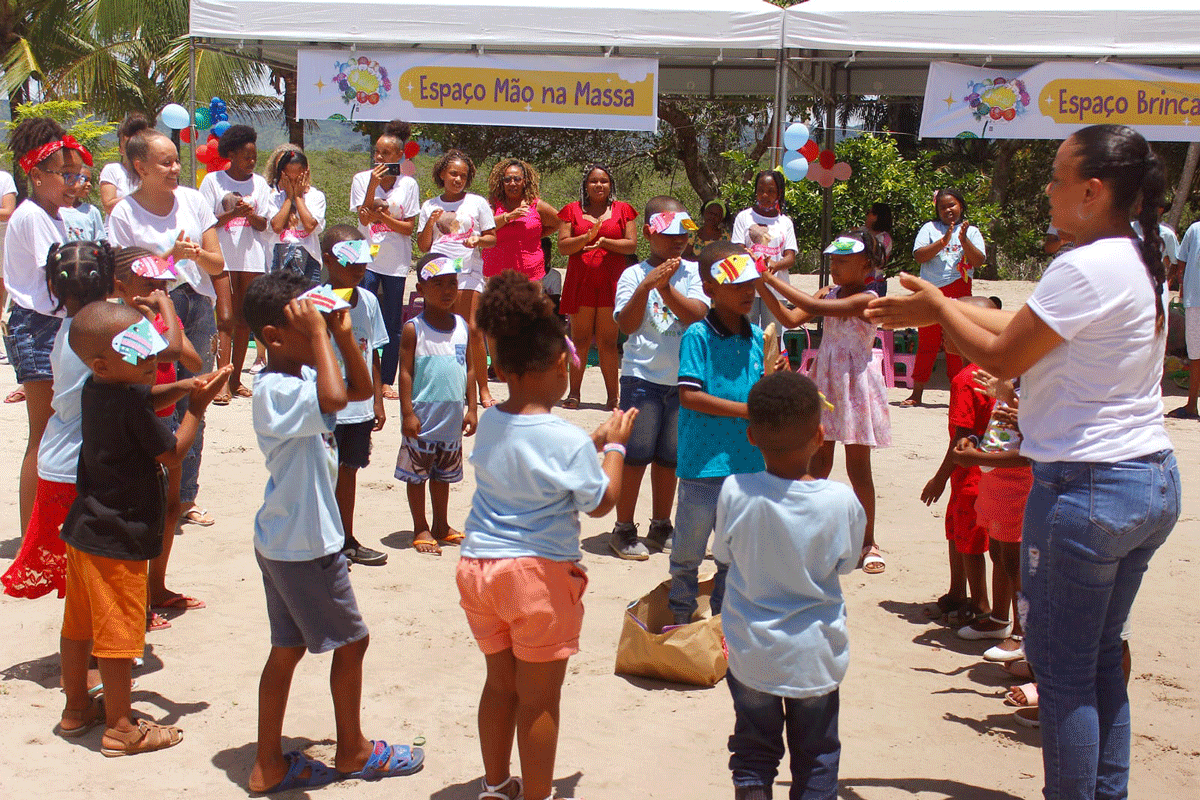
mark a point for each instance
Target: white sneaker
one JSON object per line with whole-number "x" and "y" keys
{"x": 967, "y": 632}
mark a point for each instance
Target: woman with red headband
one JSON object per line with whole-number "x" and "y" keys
{"x": 53, "y": 161}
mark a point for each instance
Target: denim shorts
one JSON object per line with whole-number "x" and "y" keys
{"x": 656, "y": 430}
{"x": 311, "y": 603}
{"x": 29, "y": 340}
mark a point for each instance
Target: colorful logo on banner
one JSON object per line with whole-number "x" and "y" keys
{"x": 1054, "y": 99}
{"x": 362, "y": 82}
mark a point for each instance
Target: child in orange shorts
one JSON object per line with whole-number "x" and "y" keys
{"x": 115, "y": 524}
{"x": 519, "y": 577}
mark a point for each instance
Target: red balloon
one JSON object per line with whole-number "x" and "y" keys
{"x": 827, "y": 159}
{"x": 202, "y": 154}
{"x": 212, "y": 139}
{"x": 222, "y": 163}
{"x": 185, "y": 136}
{"x": 411, "y": 149}
{"x": 810, "y": 150}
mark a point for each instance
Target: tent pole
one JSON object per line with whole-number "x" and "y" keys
{"x": 780, "y": 106}
{"x": 192, "y": 102}
{"x": 830, "y": 75}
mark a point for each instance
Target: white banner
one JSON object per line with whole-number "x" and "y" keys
{"x": 1052, "y": 100}
{"x": 523, "y": 90}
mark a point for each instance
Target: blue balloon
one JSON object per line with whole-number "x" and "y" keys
{"x": 221, "y": 116}
{"x": 220, "y": 128}
{"x": 795, "y": 168}
{"x": 175, "y": 116}
{"x": 795, "y": 135}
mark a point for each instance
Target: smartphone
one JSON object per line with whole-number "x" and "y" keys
{"x": 393, "y": 169}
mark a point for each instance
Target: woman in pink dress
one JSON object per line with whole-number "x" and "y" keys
{"x": 522, "y": 218}
{"x": 597, "y": 234}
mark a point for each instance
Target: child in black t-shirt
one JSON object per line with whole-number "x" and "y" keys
{"x": 115, "y": 524}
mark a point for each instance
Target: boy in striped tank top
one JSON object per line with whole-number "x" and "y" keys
{"x": 434, "y": 376}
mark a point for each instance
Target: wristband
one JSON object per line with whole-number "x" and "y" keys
{"x": 613, "y": 447}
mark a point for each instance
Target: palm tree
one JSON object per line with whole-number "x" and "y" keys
{"x": 120, "y": 56}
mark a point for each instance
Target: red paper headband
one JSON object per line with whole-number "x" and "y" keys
{"x": 40, "y": 154}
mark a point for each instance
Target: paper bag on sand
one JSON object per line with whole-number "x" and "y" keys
{"x": 692, "y": 654}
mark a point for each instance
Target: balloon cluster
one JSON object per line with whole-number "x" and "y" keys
{"x": 805, "y": 159}
{"x": 407, "y": 167}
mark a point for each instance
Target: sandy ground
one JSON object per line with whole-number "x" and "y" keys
{"x": 921, "y": 713}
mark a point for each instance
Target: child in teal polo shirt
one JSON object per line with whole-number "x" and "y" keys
{"x": 720, "y": 358}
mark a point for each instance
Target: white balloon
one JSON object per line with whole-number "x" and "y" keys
{"x": 175, "y": 116}
{"x": 795, "y": 135}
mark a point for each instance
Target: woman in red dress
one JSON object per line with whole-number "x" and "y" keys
{"x": 598, "y": 234}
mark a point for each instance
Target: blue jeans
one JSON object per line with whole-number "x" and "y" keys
{"x": 1090, "y": 531}
{"x": 389, "y": 291}
{"x": 695, "y": 518}
{"x": 756, "y": 745}
{"x": 195, "y": 311}
{"x": 654, "y": 438}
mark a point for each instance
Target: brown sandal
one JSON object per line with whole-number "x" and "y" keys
{"x": 148, "y": 737}
{"x": 571, "y": 402}
{"x": 88, "y": 718}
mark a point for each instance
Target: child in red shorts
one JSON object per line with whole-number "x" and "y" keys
{"x": 78, "y": 273}
{"x": 968, "y": 540}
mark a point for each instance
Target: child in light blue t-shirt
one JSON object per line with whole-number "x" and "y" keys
{"x": 1187, "y": 262}
{"x": 519, "y": 577}
{"x": 656, "y": 301}
{"x": 347, "y": 263}
{"x": 298, "y": 533}
{"x": 785, "y": 537}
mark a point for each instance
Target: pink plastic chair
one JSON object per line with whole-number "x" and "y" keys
{"x": 415, "y": 305}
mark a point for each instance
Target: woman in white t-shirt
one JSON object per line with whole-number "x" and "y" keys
{"x": 241, "y": 201}
{"x": 768, "y": 234}
{"x": 8, "y": 204}
{"x": 53, "y": 160}
{"x": 173, "y": 220}
{"x": 1089, "y": 345}
{"x": 459, "y": 224}
{"x": 118, "y": 179}
{"x": 387, "y": 204}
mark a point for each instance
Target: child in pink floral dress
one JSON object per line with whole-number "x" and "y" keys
{"x": 857, "y": 410}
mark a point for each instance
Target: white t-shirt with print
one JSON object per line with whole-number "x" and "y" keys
{"x": 460, "y": 220}
{"x": 1097, "y": 396}
{"x": 131, "y": 225}
{"x": 366, "y": 320}
{"x": 404, "y": 201}
{"x": 652, "y": 351}
{"x": 31, "y": 232}
{"x": 116, "y": 174}
{"x": 314, "y": 199}
{"x": 243, "y": 247}
{"x": 765, "y": 237}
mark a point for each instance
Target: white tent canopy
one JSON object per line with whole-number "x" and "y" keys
{"x": 705, "y": 47}
{"x": 885, "y": 46}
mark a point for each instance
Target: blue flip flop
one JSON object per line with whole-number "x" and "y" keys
{"x": 319, "y": 774}
{"x": 388, "y": 761}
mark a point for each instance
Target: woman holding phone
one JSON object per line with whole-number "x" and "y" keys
{"x": 948, "y": 249}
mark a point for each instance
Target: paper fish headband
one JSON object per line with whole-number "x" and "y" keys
{"x": 672, "y": 223}
{"x": 355, "y": 251}
{"x": 845, "y": 246}
{"x": 138, "y": 341}
{"x": 441, "y": 266}
{"x": 737, "y": 268}
{"x": 324, "y": 299}
{"x": 154, "y": 268}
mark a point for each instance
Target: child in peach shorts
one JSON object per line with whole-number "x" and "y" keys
{"x": 519, "y": 577}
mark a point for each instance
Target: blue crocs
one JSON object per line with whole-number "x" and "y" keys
{"x": 388, "y": 761}
{"x": 319, "y": 774}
